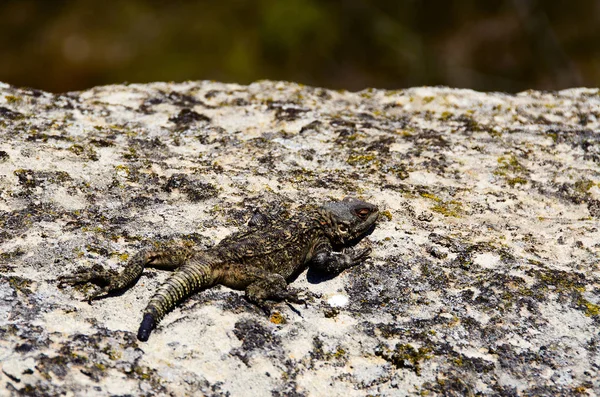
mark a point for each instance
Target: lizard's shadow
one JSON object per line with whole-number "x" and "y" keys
{"x": 315, "y": 276}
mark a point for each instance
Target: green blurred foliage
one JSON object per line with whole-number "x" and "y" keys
{"x": 504, "y": 45}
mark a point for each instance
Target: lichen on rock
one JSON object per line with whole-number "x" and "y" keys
{"x": 484, "y": 277}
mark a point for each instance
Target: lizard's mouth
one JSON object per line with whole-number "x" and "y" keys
{"x": 371, "y": 221}
{"x": 364, "y": 228}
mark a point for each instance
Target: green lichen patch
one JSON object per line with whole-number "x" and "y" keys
{"x": 583, "y": 185}
{"x": 18, "y": 221}
{"x": 76, "y": 149}
{"x": 590, "y": 309}
{"x": 303, "y": 175}
{"x": 84, "y": 151}
{"x": 577, "y": 192}
{"x": 561, "y": 281}
{"x": 13, "y": 99}
{"x": 31, "y": 179}
{"x": 569, "y": 287}
{"x": 195, "y": 190}
{"x": 38, "y": 136}
{"x": 336, "y": 356}
{"x": 127, "y": 173}
{"x": 511, "y": 170}
{"x": 387, "y": 214}
{"x": 20, "y": 284}
{"x": 130, "y": 154}
{"x": 405, "y": 356}
{"x": 11, "y": 255}
{"x": 102, "y": 142}
{"x": 362, "y": 159}
{"x": 401, "y": 171}
{"x": 449, "y": 208}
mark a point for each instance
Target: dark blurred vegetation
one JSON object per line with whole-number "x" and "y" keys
{"x": 504, "y": 45}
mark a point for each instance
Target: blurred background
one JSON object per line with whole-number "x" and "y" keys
{"x": 499, "y": 45}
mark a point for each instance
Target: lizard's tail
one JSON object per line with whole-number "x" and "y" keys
{"x": 186, "y": 280}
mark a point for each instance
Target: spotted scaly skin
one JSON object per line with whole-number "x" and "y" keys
{"x": 259, "y": 260}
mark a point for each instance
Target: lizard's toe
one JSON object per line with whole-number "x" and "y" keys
{"x": 361, "y": 255}
{"x": 265, "y": 306}
{"x": 98, "y": 293}
{"x": 74, "y": 279}
{"x": 298, "y": 296}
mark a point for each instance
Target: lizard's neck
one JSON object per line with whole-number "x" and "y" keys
{"x": 327, "y": 223}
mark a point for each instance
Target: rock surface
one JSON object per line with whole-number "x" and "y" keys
{"x": 484, "y": 277}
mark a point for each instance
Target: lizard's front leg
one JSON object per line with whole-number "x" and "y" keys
{"x": 112, "y": 281}
{"x": 329, "y": 261}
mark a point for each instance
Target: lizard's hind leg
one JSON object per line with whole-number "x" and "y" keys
{"x": 259, "y": 285}
{"x": 112, "y": 281}
{"x": 274, "y": 287}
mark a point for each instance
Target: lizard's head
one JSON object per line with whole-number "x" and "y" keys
{"x": 349, "y": 219}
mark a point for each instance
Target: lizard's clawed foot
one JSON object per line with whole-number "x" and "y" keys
{"x": 357, "y": 256}
{"x": 97, "y": 275}
{"x": 293, "y": 295}
{"x": 290, "y": 295}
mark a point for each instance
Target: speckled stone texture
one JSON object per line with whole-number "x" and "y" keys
{"x": 484, "y": 277}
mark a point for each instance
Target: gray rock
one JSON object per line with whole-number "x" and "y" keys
{"x": 484, "y": 278}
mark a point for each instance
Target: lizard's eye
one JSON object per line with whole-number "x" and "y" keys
{"x": 363, "y": 213}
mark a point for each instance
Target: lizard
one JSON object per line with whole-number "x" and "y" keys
{"x": 259, "y": 260}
